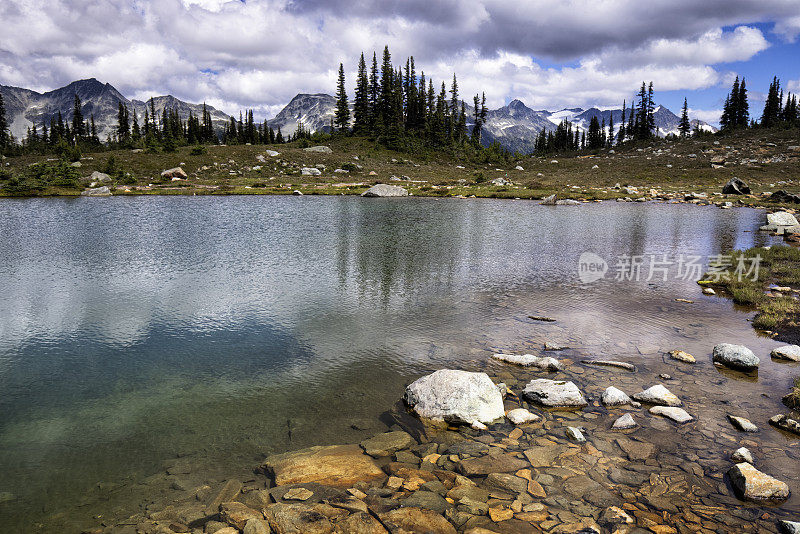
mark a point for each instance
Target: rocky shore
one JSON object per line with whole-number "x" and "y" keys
{"x": 525, "y": 450}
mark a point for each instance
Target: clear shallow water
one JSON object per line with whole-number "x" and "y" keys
{"x": 135, "y": 330}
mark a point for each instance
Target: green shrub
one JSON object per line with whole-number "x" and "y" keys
{"x": 349, "y": 166}
{"x": 198, "y": 150}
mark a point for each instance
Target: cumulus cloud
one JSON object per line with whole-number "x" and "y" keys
{"x": 259, "y": 53}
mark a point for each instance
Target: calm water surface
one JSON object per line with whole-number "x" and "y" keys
{"x": 136, "y": 330}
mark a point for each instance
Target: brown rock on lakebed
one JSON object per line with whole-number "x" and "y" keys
{"x": 417, "y": 520}
{"x": 336, "y": 465}
{"x": 484, "y": 465}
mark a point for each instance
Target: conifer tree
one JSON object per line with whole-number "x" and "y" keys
{"x": 361, "y": 100}
{"x": 610, "y": 138}
{"x": 772, "y": 106}
{"x": 374, "y": 94}
{"x": 684, "y": 126}
{"x": 743, "y": 107}
{"x": 4, "y": 139}
{"x": 621, "y": 134}
{"x": 342, "y": 107}
{"x": 78, "y": 125}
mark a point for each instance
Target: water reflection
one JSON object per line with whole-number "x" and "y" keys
{"x": 134, "y": 329}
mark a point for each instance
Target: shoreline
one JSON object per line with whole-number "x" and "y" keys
{"x": 551, "y": 475}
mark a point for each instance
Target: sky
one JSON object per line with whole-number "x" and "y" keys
{"x": 257, "y": 54}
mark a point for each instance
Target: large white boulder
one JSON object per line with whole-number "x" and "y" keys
{"x": 658, "y": 395}
{"x": 781, "y": 218}
{"x": 103, "y": 191}
{"x": 753, "y": 485}
{"x": 456, "y": 397}
{"x": 554, "y": 393}
{"x": 735, "y": 356}
{"x": 321, "y": 149}
{"x": 385, "y": 190}
{"x": 310, "y": 171}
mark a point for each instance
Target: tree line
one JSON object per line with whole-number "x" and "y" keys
{"x": 397, "y": 107}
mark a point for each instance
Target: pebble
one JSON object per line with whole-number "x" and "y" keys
{"x": 679, "y": 415}
{"x": 625, "y": 422}
{"x": 742, "y": 424}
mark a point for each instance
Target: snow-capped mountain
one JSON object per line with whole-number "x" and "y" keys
{"x": 515, "y": 126}
{"x": 25, "y": 107}
{"x": 315, "y": 112}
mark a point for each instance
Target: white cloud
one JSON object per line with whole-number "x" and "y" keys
{"x": 259, "y": 53}
{"x": 710, "y": 116}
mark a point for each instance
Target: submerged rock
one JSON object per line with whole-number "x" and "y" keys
{"x": 787, "y": 352}
{"x": 612, "y": 363}
{"x": 387, "y": 444}
{"x": 789, "y": 527}
{"x": 752, "y": 485}
{"x": 615, "y": 397}
{"x": 546, "y": 363}
{"x": 682, "y": 356}
{"x": 456, "y": 397}
{"x": 679, "y": 415}
{"x": 554, "y": 393}
{"x": 385, "y": 190}
{"x": 335, "y": 465}
{"x": 736, "y": 357}
{"x": 658, "y": 394}
{"x": 416, "y": 520}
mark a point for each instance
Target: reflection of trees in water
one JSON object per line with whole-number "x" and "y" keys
{"x": 413, "y": 247}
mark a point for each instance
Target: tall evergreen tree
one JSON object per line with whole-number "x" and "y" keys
{"x": 772, "y": 107}
{"x": 4, "y": 138}
{"x": 342, "y": 106}
{"x": 361, "y": 100}
{"x": 374, "y": 94}
{"x": 78, "y": 125}
{"x": 684, "y": 126}
{"x": 743, "y": 107}
{"x": 621, "y": 134}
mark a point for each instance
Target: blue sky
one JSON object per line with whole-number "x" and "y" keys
{"x": 550, "y": 54}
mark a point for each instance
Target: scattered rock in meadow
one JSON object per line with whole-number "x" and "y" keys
{"x": 751, "y": 484}
{"x": 310, "y": 171}
{"x": 735, "y": 186}
{"x": 176, "y": 172}
{"x": 545, "y": 363}
{"x": 456, "y": 397}
{"x": 658, "y": 394}
{"x": 736, "y": 357}
{"x": 742, "y": 424}
{"x": 679, "y": 415}
{"x": 788, "y": 352}
{"x": 319, "y": 149}
{"x": 554, "y": 393}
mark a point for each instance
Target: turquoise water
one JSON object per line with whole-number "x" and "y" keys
{"x": 135, "y": 330}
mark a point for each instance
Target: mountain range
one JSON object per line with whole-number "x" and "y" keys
{"x": 515, "y": 126}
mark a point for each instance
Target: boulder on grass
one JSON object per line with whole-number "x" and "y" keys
{"x": 735, "y": 186}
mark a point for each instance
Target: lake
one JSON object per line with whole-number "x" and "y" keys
{"x": 217, "y": 330}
